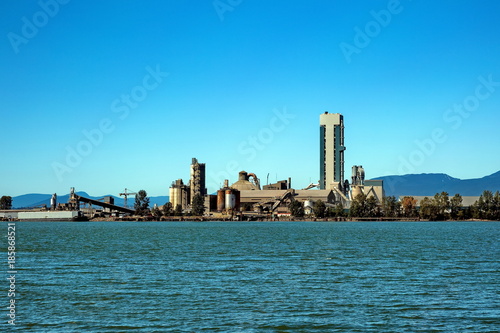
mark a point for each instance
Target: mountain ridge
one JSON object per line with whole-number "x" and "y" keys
{"x": 428, "y": 184}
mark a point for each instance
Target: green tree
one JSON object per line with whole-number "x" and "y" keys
{"x": 141, "y": 205}
{"x": 6, "y": 202}
{"x": 455, "y": 206}
{"x": 465, "y": 213}
{"x": 198, "y": 205}
{"x": 371, "y": 208}
{"x": 336, "y": 211}
{"x": 319, "y": 209}
{"x": 428, "y": 209}
{"x": 442, "y": 203}
{"x": 358, "y": 206}
{"x": 363, "y": 206}
{"x": 487, "y": 206}
{"x": 156, "y": 212}
{"x": 390, "y": 206}
{"x": 496, "y": 206}
{"x": 178, "y": 210}
{"x": 296, "y": 208}
{"x": 167, "y": 209}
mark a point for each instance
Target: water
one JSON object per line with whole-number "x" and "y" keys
{"x": 256, "y": 277}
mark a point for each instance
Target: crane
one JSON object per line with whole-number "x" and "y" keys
{"x": 125, "y": 194}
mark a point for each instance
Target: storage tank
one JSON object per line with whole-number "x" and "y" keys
{"x": 308, "y": 203}
{"x": 175, "y": 196}
{"x": 221, "y": 200}
{"x": 230, "y": 199}
{"x": 237, "y": 202}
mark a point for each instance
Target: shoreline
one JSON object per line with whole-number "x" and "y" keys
{"x": 205, "y": 219}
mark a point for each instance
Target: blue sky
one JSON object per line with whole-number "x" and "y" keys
{"x": 109, "y": 95}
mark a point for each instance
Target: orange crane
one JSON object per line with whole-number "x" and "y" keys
{"x": 125, "y": 194}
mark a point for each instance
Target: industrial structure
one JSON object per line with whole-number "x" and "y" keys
{"x": 247, "y": 182}
{"x": 246, "y": 196}
{"x": 125, "y": 195}
{"x": 197, "y": 179}
{"x": 331, "y": 143}
{"x": 369, "y": 188}
{"x": 78, "y": 208}
{"x": 182, "y": 195}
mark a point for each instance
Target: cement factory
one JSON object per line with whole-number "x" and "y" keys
{"x": 247, "y": 197}
{"x": 244, "y": 199}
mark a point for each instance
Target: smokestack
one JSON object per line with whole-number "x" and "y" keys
{"x": 289, "y": 182}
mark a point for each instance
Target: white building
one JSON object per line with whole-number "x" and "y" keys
{"x": 331, "y": 150}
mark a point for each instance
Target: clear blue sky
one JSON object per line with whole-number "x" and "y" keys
{"x": 240, "y": 85}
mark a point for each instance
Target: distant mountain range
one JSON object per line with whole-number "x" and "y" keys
{"x": 432, "y": 183}
{"x": 34, "y": 199}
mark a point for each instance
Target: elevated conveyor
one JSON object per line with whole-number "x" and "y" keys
{"x": 79, "y": 198}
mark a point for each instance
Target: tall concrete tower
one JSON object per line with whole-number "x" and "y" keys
{"x": 331, "y": 142}
{"x": 197, "y": 180}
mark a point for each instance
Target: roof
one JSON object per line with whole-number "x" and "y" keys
{"x": 244, "y": 185}
{"x": 261, "y": 195}
{"x": 466, "y": 200}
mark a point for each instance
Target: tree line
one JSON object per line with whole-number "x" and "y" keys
{"x": 438, "y": 208}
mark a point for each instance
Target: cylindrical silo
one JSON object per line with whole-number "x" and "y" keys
{"x": 230, "y": 199}
{"x": 221, "y": 200}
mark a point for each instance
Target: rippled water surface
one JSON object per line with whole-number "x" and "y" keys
{"x": 257, "y": 277}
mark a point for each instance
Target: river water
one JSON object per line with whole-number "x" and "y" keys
{"x": 256, "y": 277}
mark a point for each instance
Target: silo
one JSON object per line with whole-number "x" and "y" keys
{"x": 361, "y": 175}
{"x": 230, "y": 199}
{"x": 221, "y": 200}
{"x": 171, "y": 195}
{"x": 237, "y": 196}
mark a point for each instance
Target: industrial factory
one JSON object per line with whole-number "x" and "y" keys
{"x": 247, "y": 197}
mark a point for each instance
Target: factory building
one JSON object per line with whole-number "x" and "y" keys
{"x": 331, "y": 150}
{"x": 179, "y": 194}
{"x": 197, "y": 179}
{"x": 274, "y": 198}
{"x": 369, "y": 188}
{"x": 279, "y": 185}
{"x": 271, "y": 196}
{"x": 244, "y": 183}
